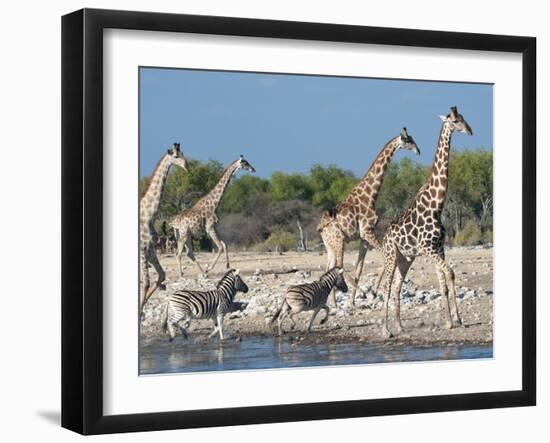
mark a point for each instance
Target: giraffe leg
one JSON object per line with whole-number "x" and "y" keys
{"x": 161, "y": 276}
{"x": 376, "y": 286}
{"x": 191, "y": 252}
{"x": 363, "y": 247}
{"x": 334, "y": 243}
{"x": 390, "y": 263}
{"x": 146, "y": 280}
{"x": 220, "y": 246}
{"x": 180, "y": 245}
{"x": 446, "y": 277}
{"x": 439, "y": 263}
{"x": 331, "y": 262}
{"x": 402, "y": 268}
{"x": 375, "y": 244}
{"x": 339, "y": 255}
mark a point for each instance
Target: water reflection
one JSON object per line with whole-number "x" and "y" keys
{"x": 199, "y": 355}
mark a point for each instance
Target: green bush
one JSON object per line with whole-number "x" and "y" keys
{"x": 468, "y": 236}
{"x": 283, "y": 240}
{"x": 488, "y": 236}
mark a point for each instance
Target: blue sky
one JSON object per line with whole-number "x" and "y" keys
{"x": 290, "y": 122}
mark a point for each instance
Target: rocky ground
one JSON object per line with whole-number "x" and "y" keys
{"x": 421, "y": 309}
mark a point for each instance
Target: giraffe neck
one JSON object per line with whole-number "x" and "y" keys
{"x": 151, "y": 199}
{"x": 437, "y": 183}
{"x": 216, "y": 194}
{"x": 371, "y": 182}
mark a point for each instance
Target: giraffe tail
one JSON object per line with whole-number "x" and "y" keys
{"x": 325, "y": 220}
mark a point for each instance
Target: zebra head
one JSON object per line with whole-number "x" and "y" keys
{"x": 239, "y": 284}
{"x": 341, "y": 281}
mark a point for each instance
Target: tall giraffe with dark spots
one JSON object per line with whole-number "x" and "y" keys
{"x": 148, "y": 210}
{"x": 419, "y": 231}
{"x": 355, "y": 217}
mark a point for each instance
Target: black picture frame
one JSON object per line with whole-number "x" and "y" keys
{"x": 82, "y": 218}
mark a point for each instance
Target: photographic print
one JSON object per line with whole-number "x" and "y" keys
{"x": 294, "y": 221}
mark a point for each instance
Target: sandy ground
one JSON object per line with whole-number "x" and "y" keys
{"x": 421, "y": 308}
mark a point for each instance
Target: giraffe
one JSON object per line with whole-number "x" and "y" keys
{"x": 419, "y": 231}
{"x": 148, "y": 211}
{"x": 355, "y": 217}
{"x": 202, "y": 218}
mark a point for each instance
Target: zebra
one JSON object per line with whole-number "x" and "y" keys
{"x": 183, "y": 306}
{"x": 310, "y": 296}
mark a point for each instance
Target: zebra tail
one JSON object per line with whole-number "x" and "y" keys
{"x": 276, "y": 316}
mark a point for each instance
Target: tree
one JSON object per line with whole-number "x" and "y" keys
{"x": 470, "y": 192}
{"x": 286, "y": 187}
{"x": 330, "y": 185}
{"x": 402, "y": 181}
{"x": 246, "y": 195}
{"x": 184, "y": 188}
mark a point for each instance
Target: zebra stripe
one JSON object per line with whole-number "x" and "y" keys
{"x": 310, "y": 296}
{"x": 182, "y": 306}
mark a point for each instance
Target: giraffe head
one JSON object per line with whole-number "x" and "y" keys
{"x": 242, "y": 163}
{"x": 456, "y": 122}
{"x": 405, "y": 141}
{"x": 176, "y": 156}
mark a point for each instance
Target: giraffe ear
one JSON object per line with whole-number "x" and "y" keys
{"x": 443, "y": 117}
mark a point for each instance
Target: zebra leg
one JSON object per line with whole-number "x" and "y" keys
{"x": 291, "y": 318}
{"x": 215, "y": 330}
{"x": 315, "y": 312}
{"x": 183, "y": 330}
{"x": 324, "y": 320}
{"x": 170, "y": 329}
{"x": 282, "y": 316}
{"x": 220, "y": 325}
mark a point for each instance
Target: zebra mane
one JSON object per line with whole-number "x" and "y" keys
{"x": 224, "y": 278}
{"x": 330, "y": 275}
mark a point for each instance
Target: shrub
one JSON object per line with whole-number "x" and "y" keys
{"x": 240, "y": 230}
{"x": 488, "y": 236}
{"x": 468, "y": 236}
{"x": 279, "y": 240}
